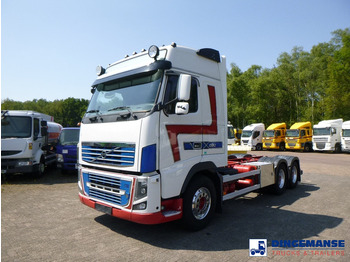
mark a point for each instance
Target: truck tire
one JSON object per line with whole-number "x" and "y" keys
{"x": 280, "y": 180}
{"x": 258, "y": 147}
{"x": 337, "y": 148}
{"x": 307, "y": 147}
{"x": 199, "y": 203}
{"x": 283, "y": 147}
{"x": 294, "y": 175}
{"x": 40, "y": 168}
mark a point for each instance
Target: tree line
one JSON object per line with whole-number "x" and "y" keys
{"x": 67, "y": 112}
{"x": 303, "y": 86}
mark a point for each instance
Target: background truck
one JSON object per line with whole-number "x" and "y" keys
{"x": 27, "y": 140}
{"x": 299, "y": 137}
{"x": 234, "y": 135}
{"x": 153, "y": 142}
{"x": 327, "y": 135}
{"x": 275, "y": 137}
{"x": 252, "y": 136}
{"x": 66, "y": 150}
{"x": 345, "y": 139}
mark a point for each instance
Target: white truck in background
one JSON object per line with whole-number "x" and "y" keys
{"x": 345, "y": 140}
{"x": 252, "y": 136}
{"x": 327, "y": 135}
{"x": 153, "y": 142}
{"x": 27, "y": 138}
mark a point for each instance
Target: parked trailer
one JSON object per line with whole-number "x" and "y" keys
{"x": 153, "y": 143}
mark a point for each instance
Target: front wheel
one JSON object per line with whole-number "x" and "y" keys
{"x": 199, "y": 203}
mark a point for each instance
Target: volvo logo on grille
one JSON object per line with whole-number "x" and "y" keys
{"x": 103, "y": 154}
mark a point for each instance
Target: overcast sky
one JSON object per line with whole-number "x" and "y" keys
{"x": 50, "y": 48}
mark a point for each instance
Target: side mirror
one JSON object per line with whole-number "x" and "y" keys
{"x": 43, "y": 123}
{"x": 184, "y": 88}
{"x": 182, "y": 108}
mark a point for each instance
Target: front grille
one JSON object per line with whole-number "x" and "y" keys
{"x": 320, "y": 145}
{"x": 112, "y": 190}
{"x": 245, "y": 141}
{"x": 116, "y": 154}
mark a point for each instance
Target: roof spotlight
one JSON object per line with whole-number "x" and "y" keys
{"x": 100, "y": 70}
{"x": 153, "y": 51}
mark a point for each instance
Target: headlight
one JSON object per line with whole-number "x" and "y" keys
{"x": 59, "y": 158}
{"x": 141, "y": 188}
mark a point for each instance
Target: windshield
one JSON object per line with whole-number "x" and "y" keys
{"x": 247, "y": 133}
{"x": 322, "y": 131}
{"x": 16, "y": 126}
{"x": 346, "y": 132}
{"x": 292, "y": 133}
{"x": 69, "y": 137}
{"x": 132, "y": 95}
{"x": 269, "y": 133}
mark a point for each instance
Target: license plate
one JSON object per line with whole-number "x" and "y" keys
{"x": 65, "y": 151}
{"x": 3, "y": 171}
{"x": 104, "y": 209}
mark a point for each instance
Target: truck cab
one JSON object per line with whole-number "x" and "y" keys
{"x": 153, "y": 142}
{"x": 234, "y": 135}
{"x": 345, "y": 140}
{"x": 252, "y": 136}
{"x": 26, "y": 141}
{"x": 299, "y": 137}
{"x": 327, "y": 135}
{"x": 66, "y": 150}
{"x": 274, "y": 137}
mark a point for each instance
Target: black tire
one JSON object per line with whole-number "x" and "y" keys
{"x": 199, "y": 203}
{"x": 283, "y": 147}
{"x": 280, "y": 180}
{"x": 40, "y": 168}
{"x": 307, "y": 147}
{"x": 294, "y": 175}
{"x": 337, "y": 148}
{"x": 258, "y": 147}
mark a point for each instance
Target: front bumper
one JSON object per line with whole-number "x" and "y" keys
{"x": 164, "y": 216}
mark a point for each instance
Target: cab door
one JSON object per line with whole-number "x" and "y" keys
{"x": 180, "y": 142}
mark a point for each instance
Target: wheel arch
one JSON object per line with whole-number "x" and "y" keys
{"x": 207, "y": 169}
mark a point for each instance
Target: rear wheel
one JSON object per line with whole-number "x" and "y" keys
{"x": 294, "y": 174}
{"x": 199, "y": 203}
{"x": 281, "y": 180}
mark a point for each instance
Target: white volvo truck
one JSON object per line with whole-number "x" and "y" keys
{"x": 153, "y": 142}
{"x": 27, "y": 138}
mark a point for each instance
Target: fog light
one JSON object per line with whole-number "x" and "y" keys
{"x": 141, "y": 206}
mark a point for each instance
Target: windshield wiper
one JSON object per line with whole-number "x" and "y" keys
{"x": 124, "y": 108}
{"x": 93, "y": 111}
